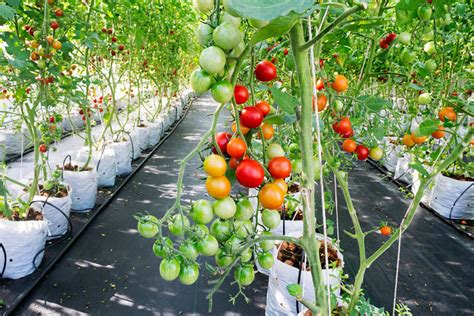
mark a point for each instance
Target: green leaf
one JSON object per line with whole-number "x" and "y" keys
{"x": 415, "y": 86}
{"x": 379, "y": 132}
{"x": 7, "y": 12}
{"x": 426, "y": 128}
{"x": 275, "y": 119}
{"x": 419, "y": 167}
{"x": 284, "y": 101}
{"x": 275, "y": 28}
{"x": 374, "y": 103}
{"x": 268, "y": 10}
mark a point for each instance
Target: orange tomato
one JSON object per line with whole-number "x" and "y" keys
{"x": 340, "y": 83}
{"x": 49, "y": 39}
{"x": 57, "y": 45}
{"x": 268, "y": 131}
{"x": 408, "y": 141}
{"x": 418, "y": 140}
{"x": 218, "y": 187}
{"x": 236, "y": 147}
{"x": 271, "y": 196}
{"x": 282, "y": 185}
{"x": 447, "y": 113}
{"x": 322, "y": 101}
{"x": 215, "y": 165}
{"x": 439, "y": 133}
{"x": 233, "y": 163}
{"x": 243, "y": 129}
{"x": 349, "y": 146}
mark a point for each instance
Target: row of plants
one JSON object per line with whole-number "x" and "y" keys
{"x": 313, "y": 90}
{"x": 86, "y": 67}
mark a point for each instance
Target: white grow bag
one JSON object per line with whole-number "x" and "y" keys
{"x": 143, "y": 136}
{"x": 390, "y": 162}
{"x": 123, "y": 157}
{"x": 23, "y": 243}
{"x": 105, "y": 162}
{"x": 84, "y": 189}
{"x": 403, "y": 171}
{"x": 155, "y": 130}
{"x": 453, "y": 199}
{"x": 58, "y": 222}
{"x": 279, "y": 301}
{"x": 134, "y": 140}
{"x": 12, "y": 142}
{"x": 74, "y": 121}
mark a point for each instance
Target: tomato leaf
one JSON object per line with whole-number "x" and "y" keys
{"x": 275, "y": 28}
{"x": 373, "y": 103}
{"x": 275, "y": 119}
{"x": 7, "y": 12}
{"x": 419, "y": 167}
{"x": 284, "y": 101}
{"x": 426, "y": 128}
{"x": 268, "y": 10}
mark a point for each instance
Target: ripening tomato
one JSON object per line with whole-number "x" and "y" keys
{"x": 362, "y": 152}
{"x": 376, "y": 153}
{"x": 268, "y": 131}
{"x": 251, "y": 117}
{"x": 215, "y": 165}
{"x": 249, "y": 173}
{"x": 447, "y": 113}
{"x": 408, "y": 141}
{"x": 271, "y": 196}
{"x": 320, "y": 84}
{"x": 279, "y": 167}
{"x": 282, "y": 185}
{"x": 243, "y": 129}
{"x": 439, "y": 133}
{"x": 340, "y": 83}
{"x": 264, "y": 107}
{"x": 322, "y": 102}
{"x": 265, "y": 71}
{"x": 241, "y": 94}
{"x": 418, "y": 139}
{"x": 222, "y": 139}
{"x": 233, "y": 163}
{"x": 349, "y": 146}
{"x": 343, "y": 126}
{"x": 42, "y": 148}
{"x": 236, "y": 148}
{"x": 218, "y": 187}
{"x": 386, "y": 230}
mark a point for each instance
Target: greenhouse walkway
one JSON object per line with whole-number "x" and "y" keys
{"x": 111, "y": 270}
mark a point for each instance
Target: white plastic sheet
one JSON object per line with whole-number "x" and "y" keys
{"x": 23, "y": 241}
{"x": 84, "y": 189}
{"x": 123, "y": 153}
{"x": 57, "y": 221}
{"x": 453, "y": 199}
{"x": 136, "y": 150}
{"x": 155, "y": 131}
{"x": 11, "y": 142}
{"x": 403, "y": 172}
{"x": 391, "y": 160}
{"x": 143, "y": 137}
{"x": 105, "y": 162}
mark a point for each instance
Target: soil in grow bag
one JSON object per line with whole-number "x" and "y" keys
{"x": 57, "y": 193}
{"x": 458, "y": 177}
{"x": 71, "y": 167}
{"x": 33, "y": 215}
{"x": 292, "y": 255}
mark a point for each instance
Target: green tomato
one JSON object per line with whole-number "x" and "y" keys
{"x": 223, "y": 259}
{"x": 201, "y": 230}
{"x": 48, "y": 185}
{"x": 424, "y": 12}
{"x": 212, "y": 60}
{"x": 225, "y": 208}
{"x": 227, "y": 17}
{"x": 245, "y": 210}
{"x": 258, "y": 24}
{"x": 246, "y": 255}
{"x": 201, "y": 212}
{"x": 41, "y": 64}
{"x": 147, "y": 226}
{"x": 238, "y": 50}
{"x": 189, "y": 250}
{"x": 201, "y": 81}
{"x": 204, "y": 34}
{"x": 233, "y": 244}
{"x": 222, "y": 91}
{"x": 294, "y": 148}
{"x": 424, "y": 98}
{"x": 227, "y": 36}
{"x": 338, "y": 106}
{"x": 243, "y": 228}
{"x": 266, "y": 260}
{"x": 407, "y": 56}
{"x": 429, "y": 48}
{"x": 267, "y": 245}
{"x": 376, "y": 153}
{"x": 244, "y": 274}
{"x": 404, "y": 38}
{"x": 160, "y": 245}
{"x": 56, "y": 174}
{"x": 208, "y": 246}
{"x": 275, "y": 150}
{"x": 430, "y": 65}
{"x": 177, "y": 224}
{"x": 205, "y": 6}
{"x": 189, "y": 274}
{"x": 297, "y": 166}
{"x": 271, "y": 218}
{"x": 169, "y": 269}
{"x": 221, "y": 230}
{"x": 427, "y": 35}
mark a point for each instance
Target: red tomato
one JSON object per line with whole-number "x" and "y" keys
{"x": 249, "y": 173}
{"x": 390, "y": 37}
{"x": 251, "y": 117}
{"x": 264, "y": 107}
{"x": 42, "y": 148}
{"x": 236, "y": 147}
{"x": 343, "y": 126}
{"x": 279, "y": 167}
{"x": 362, "y": 152}
{"x": 320, "y": 84}
{"x": 265, "y": 71}
{"x": 383, "y": 43}
{"x": 241, "y": 94}
{"x": 222, "y": 139}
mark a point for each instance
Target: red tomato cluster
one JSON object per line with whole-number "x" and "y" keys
{"x": 387, "y": 40}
